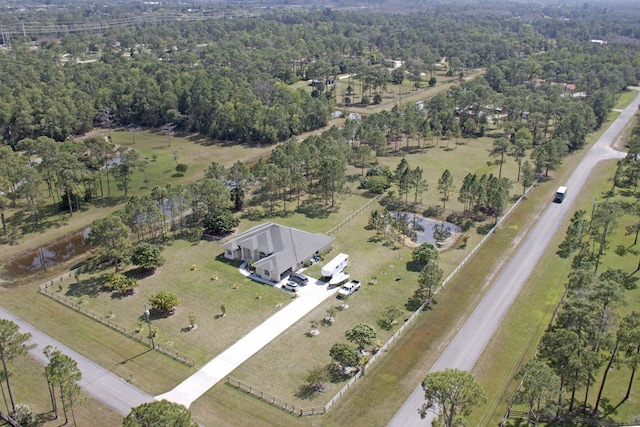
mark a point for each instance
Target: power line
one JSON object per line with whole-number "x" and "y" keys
{"x": 26, "y": 28}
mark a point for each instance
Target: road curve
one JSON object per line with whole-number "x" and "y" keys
{"x": 96, "y": 381}
{"x": 470, "y": 341}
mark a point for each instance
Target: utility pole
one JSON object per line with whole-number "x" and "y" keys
{"x": 146, "y": 315}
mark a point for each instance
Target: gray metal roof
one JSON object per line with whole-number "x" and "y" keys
{"x": 284, "y": 246}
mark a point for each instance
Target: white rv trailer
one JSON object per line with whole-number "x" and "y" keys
{"x": 335, "y": 266}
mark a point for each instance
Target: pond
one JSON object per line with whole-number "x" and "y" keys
{"x": 46, "y": 256}
{"x": 425, "y": 228}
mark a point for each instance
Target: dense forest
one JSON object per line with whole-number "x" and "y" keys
{"x": 231, "y": 79}
{"x": 548, "y": 75}
{"x": 546, "y": 81}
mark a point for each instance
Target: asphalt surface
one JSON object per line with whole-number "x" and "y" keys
{"x": 461, "y": 353}
{"x": 469, "y": 343}
{"x": 96, "y": 381}
{"x": 121, "y": 396}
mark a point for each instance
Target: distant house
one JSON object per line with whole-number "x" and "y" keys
{"x": 276, "y": 250}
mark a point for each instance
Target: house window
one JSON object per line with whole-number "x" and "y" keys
{"x": 228, "y": 252}
{"x": 266, "y": 273}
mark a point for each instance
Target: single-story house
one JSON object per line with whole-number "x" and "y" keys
{"x": 276, "y": 250}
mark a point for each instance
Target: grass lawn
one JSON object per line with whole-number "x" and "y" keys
{"x": 517, "y": 338}
{"x": 200, "y": 294}
{"x": 247, "y": 303}
{"x": 280, "y": 368}
{"x": 32, "y": 390}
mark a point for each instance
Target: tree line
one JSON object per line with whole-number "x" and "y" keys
{"x": 590, "y": 336}
{"x": 241, "y": 98}
{"x": 229, "y": 79}
{"x": 61, "y": 372}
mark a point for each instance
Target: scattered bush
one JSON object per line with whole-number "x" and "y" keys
{"x": 23, "y": 415}
{"x": 376, "y": 184}
{"x": 361, "y": 335}
{"x": 485, "y": 229}
{"x": 433, "y": 211}
{"x": 163, "y": 302}
{"x": 220, "y": 223}
{"x": 389, "y": 317}
{"x": 317, "y": 379}
{"x": 468, "y": 225}
{"x": 146, "y": 256}
{"x": 120, "y": 284}
{"x": 344, "y": 355}
{"x": 182, "y": 168}
{"x": 457, "y": 219}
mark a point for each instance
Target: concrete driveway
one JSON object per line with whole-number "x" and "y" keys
{"x": 309, "y": 297}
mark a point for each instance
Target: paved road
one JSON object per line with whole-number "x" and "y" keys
{"x": 98, "y": 382}
{"x": 121, "y": 396}
{"x": 470, "y": 341}
{"x": 309, "y": 297}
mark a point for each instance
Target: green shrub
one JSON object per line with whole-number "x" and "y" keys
{"x": 182, "y": 168}
{"x": 163, "y": 302}
{"x": 120, "y": 284}
{"x": 433, "y": 211}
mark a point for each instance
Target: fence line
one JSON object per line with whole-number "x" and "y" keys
{"x": 353, "y": 215}
{"x": 6, "y": 418}
{"x": 321, "y": 410}
{"x": 415, "y": 314}
{"x": 44, "y": 290}
{"x": 274, "y": 401}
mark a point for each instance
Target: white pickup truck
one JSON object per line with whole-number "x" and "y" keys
{"x": 348, "y": 288}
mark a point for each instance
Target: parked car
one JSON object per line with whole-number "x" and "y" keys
{"x": 298, "y": 278}
{"x": 348, "y": 288}
{"x": 291, "y": 286}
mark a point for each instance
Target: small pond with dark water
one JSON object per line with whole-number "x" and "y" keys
{"x": 425, "y": 228}
{"x": 46, "y": 256}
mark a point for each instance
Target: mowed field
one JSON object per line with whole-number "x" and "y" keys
{"x": 247, "y": 303}
{"x": 281, "y": 367}
{"x": 516, "y": 340}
